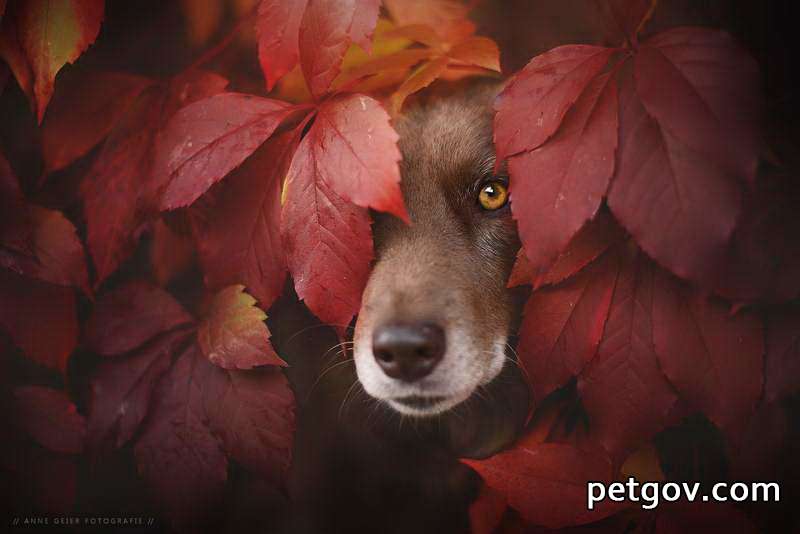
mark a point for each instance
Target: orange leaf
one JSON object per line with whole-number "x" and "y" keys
{"x": 420, "y": 79}
{"x": 53, "y": 33}
{"x": 420, "y": 33}
{"x": 403, "y": 59}
{"x": 478, "y": 51}
{"x": 234, "y": 335}
{"x": 448, "y": 17}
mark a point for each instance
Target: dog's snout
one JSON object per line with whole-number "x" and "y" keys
{"x": 408, "y": 351}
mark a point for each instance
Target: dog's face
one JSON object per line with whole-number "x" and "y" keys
{"x": 435, "y": 315}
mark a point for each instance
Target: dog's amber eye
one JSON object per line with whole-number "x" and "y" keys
{"x": 493, "y": 196}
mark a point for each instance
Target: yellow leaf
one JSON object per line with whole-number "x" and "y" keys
{"x": 233, "y": 334}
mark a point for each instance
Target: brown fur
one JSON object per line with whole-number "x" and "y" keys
{"x": 359, "y": 466}
{"x": 451, "y": 264}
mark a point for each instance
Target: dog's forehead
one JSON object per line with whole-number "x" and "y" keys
{"x": 447, "y": 141}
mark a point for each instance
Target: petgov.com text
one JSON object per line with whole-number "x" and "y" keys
{"x": 650, "y": 494}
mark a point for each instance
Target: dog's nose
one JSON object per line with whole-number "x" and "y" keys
{"x": 408, "y": 351}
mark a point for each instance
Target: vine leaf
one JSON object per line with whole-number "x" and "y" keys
{"x": 233, "y": 335}
{"x": 53, "y": 33}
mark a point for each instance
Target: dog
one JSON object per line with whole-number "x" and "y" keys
{"x": 436, "y": 314}
{"x": 378, "y": 442}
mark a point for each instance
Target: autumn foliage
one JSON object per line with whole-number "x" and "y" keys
{"x": 659, "y": 235}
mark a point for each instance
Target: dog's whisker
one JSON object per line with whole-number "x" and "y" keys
{"x": 485, "y": 394}
{"x": 373, "y": 405}
{"x": 479, "y": 394}
{"x": 336, "y": 353}
{"x": 512, "y": 349}
{"x": 342, "y": 345}
{"x": 515, "y": 361}
{"x": 340, "y": 350}
{"x": 355, "y": 384}
{"x": 346, "y": 328}
{"x": 326, "y": 372}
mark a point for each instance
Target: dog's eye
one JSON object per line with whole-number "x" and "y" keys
{"x": 493, "y": 195}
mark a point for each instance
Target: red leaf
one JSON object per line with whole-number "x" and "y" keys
{"x": 58, "y": 253}
{"x": 365, "y": 18}
{"x": 593, "y": 239}
{"x": 764, "y": 254}
{"x": 278, "y": 27}
{"x": 83, "y": 111}
{"x": 40, "y": 318}
{"x": 190, "y": 86}
{"x": 713, "y": 358}
{"x": 546, "y": 89}
{"x": 324, "y": 39}
{"x": 202, "y": 412}
{"x": 206, "y": 140}
{"x": 782, "y": 370}
{"x": 703, "y": 89}
{"x": 54, "y": 33}
{"x": 178, "y": 456}
{"x": 623, "y": 390}
{"x": 247, "y": 247}
{"x": 122, "y": 390}
{"x": 253, "y": 414}
{"x": 562, "y": 326}
{"x": 328, "y": 242}
{"x": 11, "y": 52}
{"x": 522, "y": 272}
{"x": 128, "y": 317}
{"x": 546, "y": 482}
{"x": 556, "y": 188}
{"x": 234, "y": 335}
{"x": 661, "y": 196}
{"x": 326, "y": 31}
{"x": 353, "y": 149}
{"x": 487, "y": 511}
{"x": 113, "y": 190}
{"x": 121, "y": 190}
{"x": 49, "y": 418}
